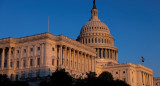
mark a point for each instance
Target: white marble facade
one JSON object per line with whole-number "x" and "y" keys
{"x": 40, "y": 55}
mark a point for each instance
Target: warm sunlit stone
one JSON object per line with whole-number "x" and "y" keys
{"x": 94, "y": 50}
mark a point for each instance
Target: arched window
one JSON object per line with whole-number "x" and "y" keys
{"x": 102, "y": 40}
{"x": 89, "y": 40}
{"x": 92, "y": 40}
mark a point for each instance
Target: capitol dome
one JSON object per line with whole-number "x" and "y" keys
{"x": 96, "y": 34}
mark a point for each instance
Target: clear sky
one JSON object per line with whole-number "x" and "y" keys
{"x": 135, "y": 24}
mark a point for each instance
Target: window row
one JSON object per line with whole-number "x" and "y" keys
{"x": 31, "y": 63}
{"x": 31, "y": 49}
{"x": 91, "y": 28}
{"x": 102, "y": 34}
{"x": 96, "y": 40}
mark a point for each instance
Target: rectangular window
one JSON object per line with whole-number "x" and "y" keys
{"x": 17, "y": 64}
{"x": 24, "y": 63}
{"x": 38, "y": 48}
{"x": 10, "y": 64}
{"x": 24, "y": 50}
{"x": 12, "y": 52}
{"x": 53, "y": 62}
{"x": 52, "y": 49}
{"x": 31, "y": 49}
{"x": 18, "y": 51}
{"x": 31, "y": 62}
{"x": 38, "y": 61}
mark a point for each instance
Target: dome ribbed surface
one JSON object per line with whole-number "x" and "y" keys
{"x": 94, "y": 27}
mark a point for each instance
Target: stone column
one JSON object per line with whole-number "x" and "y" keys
{"x": 35, "y": 57}
{"x": 143, "y": 81}
{"x": 14, "y": 63}
{"x": 21, "y": 55}
{"x": 66, "y": 57}
{"x": 92, "y": 63}
{"x": 128, "y": 74}
{"x": 60, "y": 55}
{"x": 3, "y": 57}
{"x": 101, "y": 52}
{"x": 139, "y": 79}
{"x": 109, "y": 54}
{"x": 9, "y": 58}
{"x": 84, "y": 41}
{"x": 70, "y": 58}
{"x": 81, "y": 60}
{"x": 78, "y": 60}
{"x": 28, "y": 56}
{"x": 88, "y": 63}
{"x": 63, "y": 57}
{"x": 113, "y": 55}
{"x": 46, "y": 54}
{"x": 41, "y": 54}
{"x": 74, "y": 59}
{"x": 84, "y": 62}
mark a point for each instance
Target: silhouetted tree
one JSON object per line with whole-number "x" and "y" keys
{"x": 4, "y": 81}
{"x": 60, "y": 77}
{"x": 3, "y": 78}
{"x": 104, "y": 79}
{"x": 120, "y": 83}
{"x": 105, "y": 76}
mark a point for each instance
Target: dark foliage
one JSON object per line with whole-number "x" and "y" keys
{"x": 60, "y": 77}
{"x": 104, "y": 79}
{"x": 105, "y": 76}
{"x": 4, "y": 81}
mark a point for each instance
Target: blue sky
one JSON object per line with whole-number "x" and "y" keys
{"x": 135, "y": 24}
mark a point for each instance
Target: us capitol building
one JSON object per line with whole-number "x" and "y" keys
{"x": 93, "y": 50}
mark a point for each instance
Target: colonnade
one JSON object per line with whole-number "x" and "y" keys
{"x": 107, "y": 53}
{"x": 10, "y": 55}
{"x": 96, "y": 40}
{"x": 75, "y": 60}
{"x": 5, "y": 58}
{"x": 147, "y": 79}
